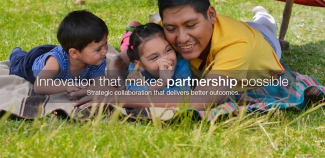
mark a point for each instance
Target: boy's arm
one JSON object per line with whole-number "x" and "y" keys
{"x": 50, "y": 70}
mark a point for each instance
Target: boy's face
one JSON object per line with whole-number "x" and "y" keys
{"x": 153, "y": 50}
{"x": 188, "y": 31}
{"x": 94, "y": 53}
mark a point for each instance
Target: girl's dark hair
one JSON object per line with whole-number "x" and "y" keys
{"x": 200, "y": 6}
{"x": 139, "y": 36}
{"x": 79, "y": 28}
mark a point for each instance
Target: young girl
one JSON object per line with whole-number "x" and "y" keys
{"x": 154, "y": 58}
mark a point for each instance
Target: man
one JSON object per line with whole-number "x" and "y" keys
{"x": 219, "y": 48}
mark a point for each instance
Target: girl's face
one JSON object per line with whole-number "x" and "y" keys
{"x": 152, "y": 50}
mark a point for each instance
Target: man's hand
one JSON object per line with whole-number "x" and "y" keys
{"x": 73, "y": 89}
{"x": 70, "y": 89}
{"x": 92, "y": 99}
{"x": 93, "y": 96}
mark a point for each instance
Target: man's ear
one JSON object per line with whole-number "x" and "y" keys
{"x": 139, "y": 65}
{"x": 73, "y": 53}
{"x": 212, "y": 14}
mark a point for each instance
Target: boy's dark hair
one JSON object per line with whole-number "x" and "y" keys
{"x": 79, "y": 28}
{"x": 139, "y": 36}
{"x": 200, "y": 6}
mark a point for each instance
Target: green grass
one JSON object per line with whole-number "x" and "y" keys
{"x": 283, "y": 134}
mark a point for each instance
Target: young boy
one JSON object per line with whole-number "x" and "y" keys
{"x": 80, "y": 56}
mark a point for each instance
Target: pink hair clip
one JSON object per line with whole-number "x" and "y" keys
{"x": 132, "y": 47}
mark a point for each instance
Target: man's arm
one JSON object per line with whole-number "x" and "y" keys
{"x": 201, "y": 100}
{"x": 118, "y": 66}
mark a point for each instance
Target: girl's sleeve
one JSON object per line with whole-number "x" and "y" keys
{"x": 132, "y": 78}
{"x": 182, "y": 73}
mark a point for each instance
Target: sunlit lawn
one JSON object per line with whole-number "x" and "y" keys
{"x": 288, "y": 134}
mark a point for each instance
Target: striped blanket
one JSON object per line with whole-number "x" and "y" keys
{"x": 294, "y": 97}
{"x": 18, "y": 98}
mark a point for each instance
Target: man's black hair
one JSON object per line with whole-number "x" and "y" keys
{"x": 200, "y": 6}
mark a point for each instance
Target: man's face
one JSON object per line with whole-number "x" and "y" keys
{"x": 188, "y": 31}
